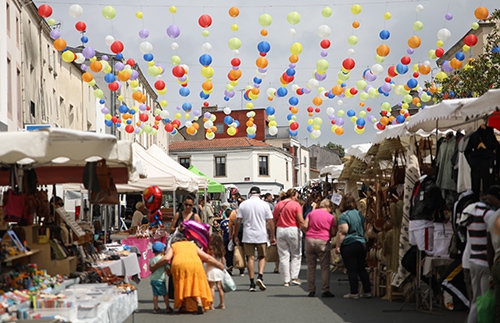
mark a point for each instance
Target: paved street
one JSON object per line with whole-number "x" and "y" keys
{"x": 282, "y": 304}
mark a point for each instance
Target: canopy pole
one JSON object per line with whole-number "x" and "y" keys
{"x": 174, "y": 205}
{"x": 205, "y": 218}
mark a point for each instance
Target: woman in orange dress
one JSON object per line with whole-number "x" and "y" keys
{"x": 190, "y": 279}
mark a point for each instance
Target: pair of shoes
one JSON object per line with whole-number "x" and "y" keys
{"x": 296, "y": 282}
{"x": 366, "y": 295}
{"x": 286, "y": 284}
{"x": 221, "y": 307}
{"x": 351, "y": 296}
{"x": 311, "y": 294}
{"x": 327, "y": 294}
{"x": 169, "y": 310}
{"x": 252, "y": 288}
{"x": 199, "y": 309}
{"x": 261, "y": 284}
{"x": 276, "y": 271}
{"x": 157, "y": 311}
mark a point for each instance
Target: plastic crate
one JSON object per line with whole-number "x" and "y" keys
{"x": 68, "y": 313}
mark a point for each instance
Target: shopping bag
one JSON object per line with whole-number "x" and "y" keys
{"x": 13, "y": 205}
{"x": 486, "y": 307}
{"x": 228, "y": 284}
{"x": 272, "y": 254}
{"x": 238, "y": 258}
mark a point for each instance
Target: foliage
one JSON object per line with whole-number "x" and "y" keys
{"x": 336, "y": 147}
{"x": 478, "y": 75}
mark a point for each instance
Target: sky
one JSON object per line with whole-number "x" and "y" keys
{"x": 291, "y": 22}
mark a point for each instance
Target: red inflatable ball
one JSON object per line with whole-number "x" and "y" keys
{"x": 470, "y": 40}
{"x": 117, "y": 47}
{"x": 81, "y": 26}
{"x": 348, "y": 64}
{"x": 45, "y": 11}
{"x": 205, "y": 21}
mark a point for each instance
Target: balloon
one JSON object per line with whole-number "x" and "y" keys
{"x": 117, "y": 47}
{"x": 80, "y": 26}
{"x": 443, "y": 34}
{"x": 481, "y": 13}
{"x": 414, "y": 42}
{"x": 326, "y": 12}
{"x": 205, "y": 21}
{"x": 293, "y": 18}
{"x": 384, "y": 34}
{"x": 45, "y": 11}
{"x": 470, "y": 40}
{"x": 383, "y": 50}
{"x": 324, "y": 31}
{"x": 265, "y": 20}
{"x": 356, "y": 9}
{"x": 418, "y": 25}
{"x": 68, "y": 56}
{"x": 348, "y": 64}
{"x": 296, "y": 48}
{"x": 234, "y": 43}
{"x": 234, "y": 12}
{"x": 173, "y": 31}
{"x": 109, "y": 12}
{"x": 60, "y": 44}
{"x": 75, "y": 11}
{"x": 153, "y": 198}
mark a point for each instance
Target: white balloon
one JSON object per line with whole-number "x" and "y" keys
{"x": 206, "y": 47}
{"x": 260, "y": 75}
{"x": 377, "y": 69}
{"x": 208, "y": 124}
{"x": 295, "y": 87}
{"x": 330, "y": 110}
{"x": 109, "y": 40}
{"x": 188, "y": 124}
{"x": 273, "y": 131}
{"x": 146, "y": 47}
{"x": 420, "y": 8}
{"x": 271, "y": 91}
{"x": 427, "y": 63}
{"x": 324, "y": 31}
{"x": 340, "y": 102}
{"x": 292, "y": 31}
{"x": 174, "y": 46}
{"x": 351, "y": 52}
{"x": 316, "y": 133}
{"x": 443, "y": 34}
{"x": 75, "y": 11}
{"x": 186, "y": 68}
{"x": 313, "y": 84}
{"x": 227, "y": 110}
{"x": 236, "y": 52}
{"x": 79, "y": 58}
{"x": 164, "y": 114}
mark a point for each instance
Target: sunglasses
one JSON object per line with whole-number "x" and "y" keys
{"x": 185, "y": 204}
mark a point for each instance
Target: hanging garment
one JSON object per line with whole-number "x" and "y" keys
{"x": 444, "y": 178}
{"x": 463, "y": 168}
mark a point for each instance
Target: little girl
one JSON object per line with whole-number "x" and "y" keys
{"x": 214, "y": 274}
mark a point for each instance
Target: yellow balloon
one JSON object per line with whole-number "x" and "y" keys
{"x": 387, "y": 15}
{"x": 249, "y": 105}
{"x": 265, "y": 20}
{"x": 68, "y": 56}
{"x": 172, "y": 9}
{"x": 234, "y": 27}
{"x": 205, "y": 33}
{"x": 296, "y": 48}
{"x": 326, "y": 12}
{"x": 356, "y": 9}
{"x": 207, "y": 71}
{"x": 176, "y": 60}
{"x": 139, "y": 15}
{"x": 108, "y": 116}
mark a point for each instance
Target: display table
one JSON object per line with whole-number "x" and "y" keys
{"x": 127, "y": 266}
{"x": 114, "y": 311}
{"x": 145, "y": 248}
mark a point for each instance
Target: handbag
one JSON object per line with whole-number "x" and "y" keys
{"x": 238, "y": 257}
{"x": 272, "y": 254}
{"x": 13, "y": 205}
{"x": 228, "y": 284}
{"x": 107, "y": 193}
{"x": 398, "y": 171}
{"x": 425, "y": 152}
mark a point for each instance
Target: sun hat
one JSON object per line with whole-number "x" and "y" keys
{"x": 158, "y": 246}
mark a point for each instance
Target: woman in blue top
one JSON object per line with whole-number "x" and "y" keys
{"x": 351, "y": 244}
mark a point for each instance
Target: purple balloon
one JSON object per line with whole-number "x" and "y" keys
{"x": 230, "y": 94}
{"x": 331, "y": 116}
{"x": 386, "y": 87}
{"x": 134, "y": 75}
{"x": 262, "y": 70}
{"x": 256, "y": 86}
{"x": 292, "y": 65}
{"x": 142, "y": 107}
{"x": 162, "y": 68}
{"x": 137, "y": 131}
{"x": 448, "y": 16}
{"x": 446, "y": 67}
{"x": 370, "y": 118}
{"x": 178, "y": 107}
{"x": 410, "y": 51}
{"x": 370, "y": 77}
{"x": 226, "y": 93}
{"x": 183, "y": 78}
{"x": 83, "y": 67}
{"x": 55, "y": 34}
{"x": 307, "y": 90}
{"x": 105, "y": 57}
{"x": 320, "y": 77}
{"x": 119, "y": 66}
{"x": 144, "y": 33}
{"x": 104, "y": 110}
{"x": 339, "y": 121}
{"x": 207, "y": 115}
{"x": 173, "y": 31}
{"x": 196, "y": 113}
{"x": 88, "y": 52}
{"x": 324, "y": 53}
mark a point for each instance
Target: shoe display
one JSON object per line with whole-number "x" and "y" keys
{"x": 311, "y": 294}
{"x": 327, "y": 294}
{"x": 296, "y": 282}
{"x": 261, "y": 284}
{"x": 351, "y": 296}
{"x": 252, "y": 288}
{"x": 366, "y": 295}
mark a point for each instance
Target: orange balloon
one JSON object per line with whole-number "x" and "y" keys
{"x": 293, "y": 58}
{"x": 355, "y": 24}
{"x": 261, "y": 62}
{"x": 123, "y": 76}
{"x": 234, "y": 12}
{"x": 361, "y": 104}
{"x": 214, "y": 129}
{"x": 424, "y": 70}
{"x": 60, "y": 44}
{"x": 414, "y": 42}
{"x": 383, "y": 50}
{"x": 455, "y": 63}
{"x": 255, "y": 91}
{"x": 143, "y": 98}
{"x": 235, "y": 74}
{"x": 384, "y": 121}
{"x": 317, "y": 101}
{"x": 196, "y": 125}
{"x": 391, "y": 118}
{"x": 207, "y": 86}
{"x": 137, "y": 95}
{"x": 433, "y": 89}
{"x": 294, "y": 110}
{"x": 249, "y": 123}
{"x": 406, "y": 87}
{"x": 87, "y": 77}
{"x": 337, "y": 90}
{"x": 481, "y": 13}
{"x": 191, "y": 130}
{"x": 264, "y": 32}
{"x": 339, "y": 131}
{"x": 96, "y": 66}
{"x": 415, "y": 101}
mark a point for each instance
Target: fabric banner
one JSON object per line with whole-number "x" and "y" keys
{"x": 145, "y": 248}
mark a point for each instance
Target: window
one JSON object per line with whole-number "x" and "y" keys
{"x": 220, "y": 128}
{"x": 185, "y": 161}
{"x": 32, "y": 109}
{"x": 9, "y": 87}
{"x": 220, "y": 165}
{"x": 263, "y": 166}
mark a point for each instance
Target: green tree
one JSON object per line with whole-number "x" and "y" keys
{"x": 336, "y": 147}
{"x": 478, "y": 75}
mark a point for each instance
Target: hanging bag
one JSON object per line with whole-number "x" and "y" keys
{"x": 398, "y": 171}
{"x": 107, "y": 193}
{"x": 425, "y": 158}
{"x": 228, "y": 284}
{"x": 13, "y": 200}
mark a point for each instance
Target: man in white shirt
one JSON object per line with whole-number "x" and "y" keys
{"x": 255, "y": 215}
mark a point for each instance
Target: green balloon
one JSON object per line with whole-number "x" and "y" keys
{"x": 326, "y": 12}
{"x": 234, "y": 43}
{"x": 293, "y": 17}
{"x": 108, "y": 12}
{"x": 265, "y": 20}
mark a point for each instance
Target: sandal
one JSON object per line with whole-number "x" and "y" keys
{"x": 221, "y": 307}
{"x": 169, "y": 310}
{"x": 157, "y": 311}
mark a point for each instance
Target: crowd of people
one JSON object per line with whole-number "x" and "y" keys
{"x": 252, "y": 225}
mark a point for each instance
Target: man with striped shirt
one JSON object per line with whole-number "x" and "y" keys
{"x": 479, "y": 213}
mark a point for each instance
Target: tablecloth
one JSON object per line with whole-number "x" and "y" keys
{"x": 115, "y": 311}
{"x": 127, "y": 266}
{"x": 145, "y": 248}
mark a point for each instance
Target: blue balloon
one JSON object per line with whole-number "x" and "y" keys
{"x": 203, "y": 95}
{"x": 282, "y": 91}
{"x": 123, "y": 108}
{"x": 289, "y": 116}
{"x": 148, "y": 57}
{"x": 226, "y": 98}
{"x": 310, "y": 128}
{"x": 496, "y": 49}
{"x": 109, "y": 78}
{"x": 184, "y": 91}
{"x": 290, "y": 72}
{"x": 245, "y": 96}
{"x": 460, "y": 56}
{"x": 293, "y": 133}
{"x": 228, "y": 120}
{"x": 84, "y": 39}
{"x": 331, "y": 95}
{"x": 251, "y": 136}
{"x": 400, "y": 118}
{"x": 264, "y": 47}
{"x": 186, "y": 106}
{"x": 360, "y": 122}
{"x": 205, "y": 60}
{"x": 131, "y": 111}
{"x": 108, "y": 123}
{"x": 102, "y": 101}
{"x": 293, "y": 100}
{"x": 384, "y": 34}
{"x": 351, "y": 113}
{"x": 129, "y": 121}
{"x": 412, "y": 83}
{"x": 270, "y": 111}
{"x": 237, "y": 123}
{"x": 118, "y": 124}
{"x": 401, "y": 68}
{"x": 119, "y": 56}
{"x": 257, "y": 80}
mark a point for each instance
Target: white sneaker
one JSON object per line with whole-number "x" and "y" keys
{"x": 296, "y": 282}
{"x": 261, "y": 284}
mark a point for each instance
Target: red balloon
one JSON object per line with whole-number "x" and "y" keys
{"x": 294, "y": 126}
{"x": 81, "y": 26}
{"x": 325, "y": 43}
{"x": 416, "y": 74}
{"x": 160, "y": 85}
{"x": 287, "y": 78}
{"x": 114, "y": 86}
{"x": 45, "y": 11}
{"x": 129, "y": 128}
{"x": 299, "y": 92}
{"x": 178, "y": 71}
{"x": 380, "y": 126}
{"x": 205, "y": 21}
{"x": 158, "y": 117}
{"x": 131, "y": 62}
{"x": 348, "y": 64}
{"x": 439, "y": 52}
{"x": 470, "y": 40}
{"x": 206, "y": 104}
{"x": 148, "y": 108}
{"x": 143, "y": 117}
{"x": 176, "y": 123}
{"x": 368, "y": 109}
{"x": 353, "y": 91}
{"x": 263, "y": 54}
{"x": 392, "y": 71}
{"x": 114, "y": 119}
{"x": 405, "y": 60}
{"x": 117, "y": 47}
{"x": 310, "y": 109}
{"x": 169, "y": 127}
{"x": 153, "y": 198}
{"x": 388, "y": 80}
{"x": 317, "y": 110}
{"x": 235, "y": 62}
